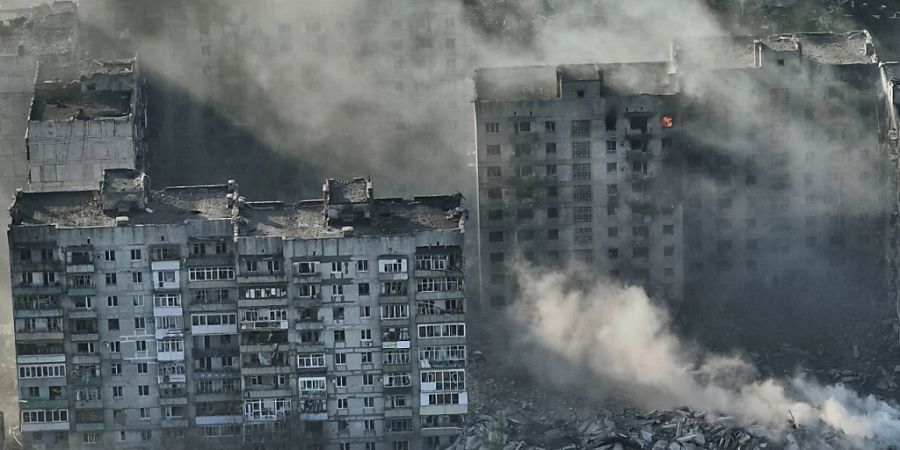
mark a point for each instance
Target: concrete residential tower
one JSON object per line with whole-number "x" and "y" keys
{"x": 189, "y": 316}
{"x": 739, "y": 169}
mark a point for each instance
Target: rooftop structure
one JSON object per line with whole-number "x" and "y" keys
{"x": 853, "y": 47}
{"x": 84, "y": 90}
{"x": 86, "y": 116}
{"x": 304, "y": 219}
{"x": 545, "y": 82}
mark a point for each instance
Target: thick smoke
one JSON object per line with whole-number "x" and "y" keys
{"x": 624, "y": 338}
{"x": 260, "y": 91}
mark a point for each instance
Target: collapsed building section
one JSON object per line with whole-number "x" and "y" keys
{"x": 190, "y": 315}
{"x": 87, "y": 116}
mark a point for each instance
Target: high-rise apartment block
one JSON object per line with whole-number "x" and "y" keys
{"x": 190, "y": 316}
{"x": 735, "y": 169}
{"x": 571, "y": 164}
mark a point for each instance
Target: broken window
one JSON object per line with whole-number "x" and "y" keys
{"x": 583, "y": 236}
{"x": 581, "y": 150}
{"x": 640, "y": 167}
{"x": 524, "y": 127}
{"x": 582, "y": 214}
{"x": 550, "y": 148}
{"x": 523, "y": 150}
{"x": 612, "y": 167}
{"x": 552, "y": 213}
{"x": 611, "y": 146}
{"x": 610, "y": 122}
{"x": 550, "y": 126}
{"x": 638, "y": 124}
{"x": 640, "y": 144}
{"x": 525, "y": 235}
{"x": 552, "y": 191}
{"x": 493, "y": 171}
{"x": 640, "y": 231}
{"x": 581, "y": 171}
{"x": 524, "y": 192}
{"x": 551, "y": 170}
{"x": 584, "y": 256}
{"x": 581, "y": 128}
{"x": 525, "y": 171}
{"x": 582, "y": 193}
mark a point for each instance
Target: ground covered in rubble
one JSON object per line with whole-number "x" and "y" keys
{"x": 514, "y": 408}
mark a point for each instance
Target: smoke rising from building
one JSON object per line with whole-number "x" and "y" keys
{"x": 627, "y": 340}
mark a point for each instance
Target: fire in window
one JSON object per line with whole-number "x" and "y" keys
{"x": 667, "y": 122}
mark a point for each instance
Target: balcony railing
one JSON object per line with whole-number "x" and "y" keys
{"x": 169, "y": 392}
{"x": 261, "y": 325}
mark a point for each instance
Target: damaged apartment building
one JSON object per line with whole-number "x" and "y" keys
{"x": 735, "y": 167}
{"x": 86, "y": 116}
{"x": 570, "y": 165}
{"x": 190, "y": 316}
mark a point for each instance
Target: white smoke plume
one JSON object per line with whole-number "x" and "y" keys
{"x": 622, "y": 336}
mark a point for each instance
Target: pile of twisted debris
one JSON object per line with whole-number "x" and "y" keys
{"x": 680, "y": 429}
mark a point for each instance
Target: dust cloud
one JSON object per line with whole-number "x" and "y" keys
{"x": 627, "y": 340}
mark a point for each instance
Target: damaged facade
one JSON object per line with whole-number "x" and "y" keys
{"x": 190, "y": 316}
{"x": 573, "y": 168}
{"x": 87, "y": 116}
{"x": 713, "y": 175}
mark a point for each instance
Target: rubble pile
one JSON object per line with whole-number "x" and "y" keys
{"x": 680, "y": 429}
